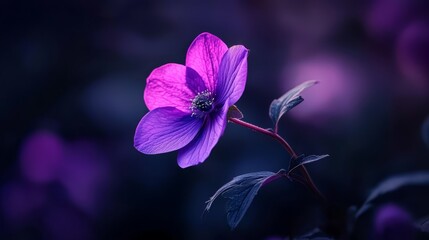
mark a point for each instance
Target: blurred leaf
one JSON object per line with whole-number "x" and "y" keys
{"x": 301, "y": 160}
{"x": 423, "y": 224}
{"x": 240, "y": 192}
{"x": 393, "y": 184}
{"x": 288, "y": 101}
{"x": 234, "y": 112}
{"x": 315, "y": 234}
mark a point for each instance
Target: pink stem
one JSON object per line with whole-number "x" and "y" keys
{"x": 288, "y": 148}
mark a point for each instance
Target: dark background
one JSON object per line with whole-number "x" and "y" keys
{"x": 73, "y": 75}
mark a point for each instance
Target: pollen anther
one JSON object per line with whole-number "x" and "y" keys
{"x": 202, "y": 103}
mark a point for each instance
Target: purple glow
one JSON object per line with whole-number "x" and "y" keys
{"x": 393, "y": 222}
{"x": 337, "y": 95}
{"x": 385, "y": 17}
{"x": 80, "y": 167}
{"x": 20, "y": 201}
{"x": 188, "y": 104}
{"x": 412, "y": 55}
{"x": 63, "y": 223}
{"x": 83, "y": 174}
{"x": 41, "y": 155}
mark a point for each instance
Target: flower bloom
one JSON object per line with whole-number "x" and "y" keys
{"x": 188, "y": 104}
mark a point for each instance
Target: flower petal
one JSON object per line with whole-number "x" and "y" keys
{"x": 199, "y": 149}
{"x": 232, "y": 75}
{"x": 164, "y": 130}
{"x": 204, "y": 56}
{"x": 172, "y": 85}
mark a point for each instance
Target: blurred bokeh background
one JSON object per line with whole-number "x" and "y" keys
{"x": 73, "y": 75}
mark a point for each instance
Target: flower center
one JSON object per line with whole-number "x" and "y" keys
{"x": 202, "y": 103}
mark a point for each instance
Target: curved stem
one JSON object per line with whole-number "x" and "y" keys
{"x": 288, "y": 148}
{"x": 266, "y": 132}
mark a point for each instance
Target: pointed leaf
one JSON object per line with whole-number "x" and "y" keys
{"x": 301, "y": 160}
{"x": 288, "y": 101}
{"x": 240, "y": 192}
{"x": 393, "y": 184}
{"x": 294, "y": 102}
{"x": 234, "y": 112}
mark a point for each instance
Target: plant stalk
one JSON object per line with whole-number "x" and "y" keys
{"x": 289, "y": 149}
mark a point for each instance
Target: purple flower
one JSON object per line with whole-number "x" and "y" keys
{"x": 188, "y": 104}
